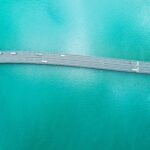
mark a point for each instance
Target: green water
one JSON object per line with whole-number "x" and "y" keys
{"x": 62, "y": 108}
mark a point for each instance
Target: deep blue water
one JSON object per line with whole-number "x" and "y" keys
{"x": 62, "y": 108}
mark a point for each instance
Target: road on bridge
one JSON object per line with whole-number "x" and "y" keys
{"x": 47, "y": 58}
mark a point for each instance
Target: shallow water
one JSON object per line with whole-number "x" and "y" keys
{"x": 62, "y": 108}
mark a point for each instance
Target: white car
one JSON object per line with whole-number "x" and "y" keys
{"x": 13, "y": 53}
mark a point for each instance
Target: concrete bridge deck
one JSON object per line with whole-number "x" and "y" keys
{"x": 47, "y": 58}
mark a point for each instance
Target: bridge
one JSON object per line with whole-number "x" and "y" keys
{"x": 48, "y": 58}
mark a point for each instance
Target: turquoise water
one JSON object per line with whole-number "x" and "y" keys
{"x": 62, "y": 108}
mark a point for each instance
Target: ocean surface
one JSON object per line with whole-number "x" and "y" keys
{"x": 64, "y": 108}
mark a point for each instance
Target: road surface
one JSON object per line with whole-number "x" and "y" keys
{"x": 47, "y": 58}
